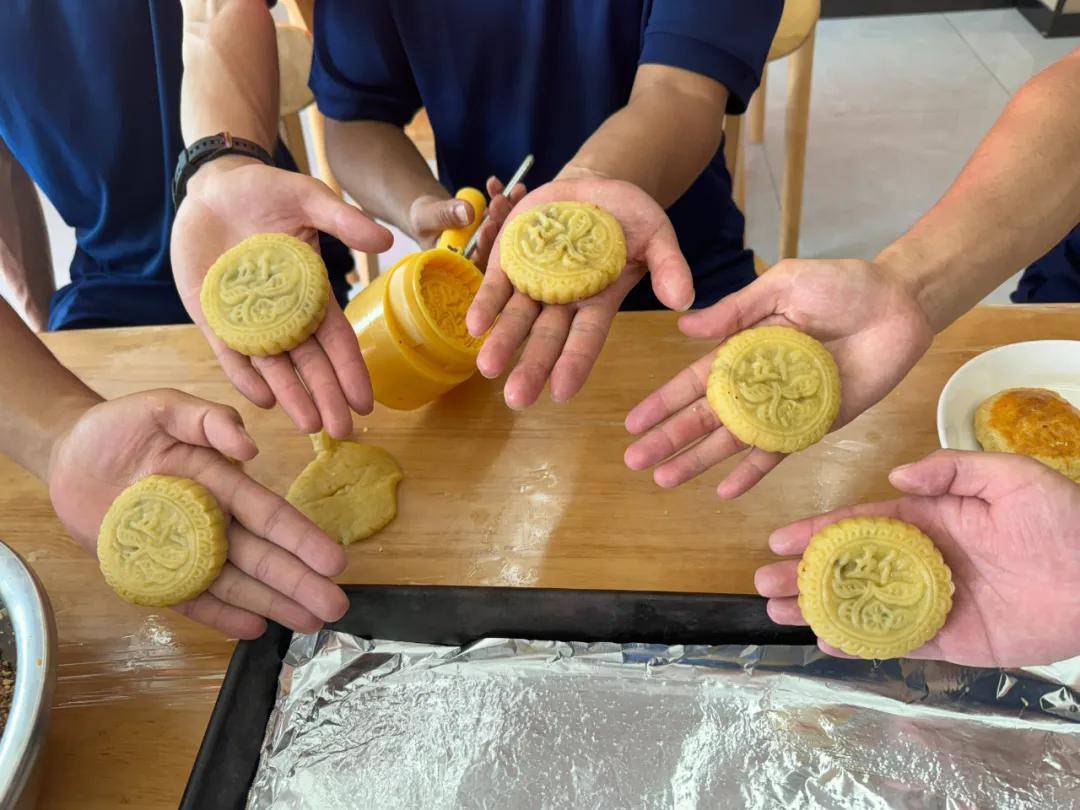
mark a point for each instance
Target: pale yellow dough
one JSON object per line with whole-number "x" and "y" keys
{"x": 349, "y": 490}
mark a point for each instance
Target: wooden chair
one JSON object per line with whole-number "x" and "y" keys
{"x": 794, "y": 38}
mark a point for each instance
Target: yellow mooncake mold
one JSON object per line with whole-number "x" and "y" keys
{"x": 874, "y": 587}
{"x": 266, "y": 295}
{"x": 562, "y": 251}
{"x": 775, "y": 388}
{"x": 349, "y": 490}
{"x": 162, "y": 541}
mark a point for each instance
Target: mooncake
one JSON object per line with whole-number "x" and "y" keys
{"x": 349, "y": 490}
{"x": 162, "y": 541}
{"x": 874, "y": 587}
{"x": 562, "y": 251}
{"x": 775, "y": 388}
{"x": 1033, "y": 422}
{"x": 266, "y": 295}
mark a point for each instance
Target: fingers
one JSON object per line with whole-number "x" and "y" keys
{"x": 671, "y": 278}
{"x": 283, "y": 573}
{"x": 778, "y": 579}
{"x": 234, "y": 622}
{"x": 507, "y": 335}
{"x": 755, "y": 466}
{"x": 588, "y": 331}
{"x": 207, "y": 424}
{"x": 295, "y": 400}
{"x": 434, "y": 216}
{"x": 988, "y": 476}
{"x": 314, "y": 368}
{"x": 785, "y": 611}
{"x": 794, "y": 538}
{"x": 686, "y": 387}
{"x": 546, "y": 340}
{"x": 339, "y": 342}
{"x": 327, "y": 212}
{"x": 270, "y": 516}
{"x": 733, "y": 313}
{"x": 490, "y": 299}
{"x": 233, "y": 587}
{"x": 242, "y": 374}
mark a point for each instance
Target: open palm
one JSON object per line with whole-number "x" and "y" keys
{"x": 278, "y": 560}
{"x": 318, "y": 381}
{"x": 562, "y": 341}
{"x": 1008, "y": 527}
{"x": 868, "y": 320}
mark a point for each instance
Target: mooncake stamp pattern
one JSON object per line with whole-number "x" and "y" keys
{"x": 162, "y": 541}
{"x": 775, "y": 388}
{"x": 349, "y": 490}
{"x": 874, "y": 587}
{"x": 563, "y": 251}
{"x": 1034, "y": 422}
{"x": 446, "y": 294}
{"x": 266, "y": 295}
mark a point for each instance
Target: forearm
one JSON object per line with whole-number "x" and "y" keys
{"x": 1016, "y": 198}
{"x": 40, "y": 399}
{"x": 25, "y": 263}
{"x": 230, "y": 71}
{"x": 662, "y": 139}
{"x": 381, "y": 169}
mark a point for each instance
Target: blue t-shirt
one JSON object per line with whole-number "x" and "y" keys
{"x": 1054, "y": 278}
{"x": 90, "y": 106}
{"x": 502, "y": 78}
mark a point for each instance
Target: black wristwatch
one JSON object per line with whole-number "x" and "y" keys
{"x": 207, "y": 149}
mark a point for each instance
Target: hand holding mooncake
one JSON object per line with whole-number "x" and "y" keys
{"x": 773, "y": 400}
{"x": 976, "y": 564}
{"x": 568, "y": 255}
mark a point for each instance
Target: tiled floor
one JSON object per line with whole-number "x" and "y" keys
{"x": 898, "y": 104}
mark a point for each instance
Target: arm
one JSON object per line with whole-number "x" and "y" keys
{"x": 25, "y": 262}
{"x": 662, "y": 139}
{"x": 1015, "y": 199}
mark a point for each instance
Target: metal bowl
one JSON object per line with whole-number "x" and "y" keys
{"x": 27, "y": 641}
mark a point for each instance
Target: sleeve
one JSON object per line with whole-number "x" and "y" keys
{"x": 360, "y": 71}
{"x": 726, "y": 40}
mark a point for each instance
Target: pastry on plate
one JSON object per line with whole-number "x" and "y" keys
{"x": 1033, "y": 422}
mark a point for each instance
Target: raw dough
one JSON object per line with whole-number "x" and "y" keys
{"x": 162, "y": 541}
{"x": 349, "y": 490}
{"x": 562, "y": 251}
{"x": 775, "y": 388}
{"x": 446, "y": 292}
{"x": 1033, "y": 422}
{"x": 266, "y": 295}
{"x": 874, "y": 587}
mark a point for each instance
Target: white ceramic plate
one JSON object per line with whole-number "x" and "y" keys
{"x": 1053, "y": 364}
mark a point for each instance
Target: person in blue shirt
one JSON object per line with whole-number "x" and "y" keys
{"x": 621, "y": 102}
{"x": 1055, "y": 277}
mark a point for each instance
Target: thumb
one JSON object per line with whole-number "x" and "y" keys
{"x": 441, "y": 215}
{"x": 733, "y": 313}
{"x": 671, "y": 278}
{"x": 324, "y": 210}
{"x": 206, "y": 424}
{"x": 958, "y": 472}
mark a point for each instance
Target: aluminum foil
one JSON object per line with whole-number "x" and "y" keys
{"x": 534, "y": 724}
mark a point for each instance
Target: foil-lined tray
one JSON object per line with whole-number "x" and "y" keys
{"x": 524, "y": 724}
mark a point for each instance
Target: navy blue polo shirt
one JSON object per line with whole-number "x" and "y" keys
{"x": 90, "y": 106}
{"x": 503, "y": 78}
{"x": 1055, "y": 278}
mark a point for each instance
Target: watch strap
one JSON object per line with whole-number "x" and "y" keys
{"x": 206, "y": 149}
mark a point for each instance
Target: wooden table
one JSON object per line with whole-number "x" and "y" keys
{"x": 491, "y": 497}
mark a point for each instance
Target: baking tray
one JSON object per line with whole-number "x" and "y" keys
{"x": 229, "y": 754}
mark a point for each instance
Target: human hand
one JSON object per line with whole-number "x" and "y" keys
{"x": 562, "y": 341}
{"x": 429, "y": 216}
{"x": 278, "y": 563}
{"x": 1008, "y": 527}
{"x": 233, "y": 198}
{"x": 867, "y": 318}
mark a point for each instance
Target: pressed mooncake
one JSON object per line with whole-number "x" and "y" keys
{"x": 1033, "y": 422}
{"x": 775, "y": 388}
{"x": 266, "y": 295}
{"x": 162, "y": 542}
{"x": 874, "y": 587}
{"x": 349, "y": 490}
{"x": 562, "y": 251}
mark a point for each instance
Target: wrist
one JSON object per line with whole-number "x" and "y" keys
{"x": 579, "y": 171}
{"x": 207, "y": 172}
{"x": 919, "y": 273}
{"x": 62, "y": 418}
